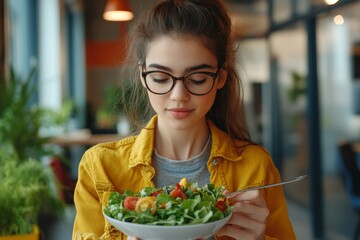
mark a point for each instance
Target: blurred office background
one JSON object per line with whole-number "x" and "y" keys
{"x": 299, "y": 61}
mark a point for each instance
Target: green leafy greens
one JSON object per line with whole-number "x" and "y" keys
{"x": 197, "y": 205}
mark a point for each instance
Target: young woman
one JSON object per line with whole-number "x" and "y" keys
{"x": 184, "y": 59}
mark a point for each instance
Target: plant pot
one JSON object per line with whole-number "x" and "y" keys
{"x": 123, "y": 126}
{"x": 31, "y": 236}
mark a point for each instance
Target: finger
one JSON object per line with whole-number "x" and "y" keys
{"x": 255, "y": 212}
{"x": 226, "y": 192}
{"x": 254, "y": 197}
{"x": 247, "y": 223}
{"x": 235, "y": 233}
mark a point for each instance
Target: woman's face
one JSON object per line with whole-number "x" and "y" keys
{"x": 180, "y": 57}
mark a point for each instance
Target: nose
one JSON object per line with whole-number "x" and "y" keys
{"x": 179, "y": 92}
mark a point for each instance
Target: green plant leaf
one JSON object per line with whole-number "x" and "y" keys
{"x": 26, "y": 190}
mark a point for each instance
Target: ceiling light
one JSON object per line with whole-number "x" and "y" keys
{"x": 118, "y": 10}
{"x": 331, "y": 2}
{"x": 338, "y": 20}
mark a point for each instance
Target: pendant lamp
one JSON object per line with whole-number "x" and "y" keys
{"x": 118, "y": 10}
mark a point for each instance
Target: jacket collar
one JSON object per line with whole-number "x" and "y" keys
{"x": 222, "y": 145}
{"x": 142, "y": 149}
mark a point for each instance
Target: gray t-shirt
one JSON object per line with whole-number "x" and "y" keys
{"x": 169, "y": 171}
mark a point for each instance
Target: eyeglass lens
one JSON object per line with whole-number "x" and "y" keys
{"x": 196, "y": 83}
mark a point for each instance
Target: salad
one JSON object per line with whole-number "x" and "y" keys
{"x": 179, "y": 204}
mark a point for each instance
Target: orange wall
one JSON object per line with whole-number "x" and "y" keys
{"x": 106, "y": 53}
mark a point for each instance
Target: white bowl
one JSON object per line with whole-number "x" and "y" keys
{"x": 155, "y": 232}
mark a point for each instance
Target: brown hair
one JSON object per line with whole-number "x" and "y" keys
{"x": 209, "y": 20}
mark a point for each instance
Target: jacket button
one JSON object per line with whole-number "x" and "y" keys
{"x": 214, "y": 162}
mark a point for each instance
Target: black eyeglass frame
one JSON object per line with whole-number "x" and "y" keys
{"x": 214, "y": 75}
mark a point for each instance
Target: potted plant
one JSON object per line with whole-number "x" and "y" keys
{"x": 298, "y": 88}
{"x": 131, "y": 105}
{"x": 27, "y": 189}
{"x": 27, "y": 186}
{"x": 21, "y": 121}
{"x": 125, "y": 108}
{"x": 105, "y": 117}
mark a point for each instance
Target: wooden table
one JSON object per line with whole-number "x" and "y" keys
{"x": 83, "y": 138}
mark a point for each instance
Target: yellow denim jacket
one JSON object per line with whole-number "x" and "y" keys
{"x": 126, "y": 164}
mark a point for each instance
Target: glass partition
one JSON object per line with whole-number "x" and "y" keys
{"x": 338, "y": 35}
{"x": 288, "y": 49}
{"x": 338, "y": 54}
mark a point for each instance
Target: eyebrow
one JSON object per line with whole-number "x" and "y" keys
{"x": 188, "y": 69}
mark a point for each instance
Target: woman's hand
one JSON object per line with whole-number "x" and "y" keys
{"x": 248, "y": 221}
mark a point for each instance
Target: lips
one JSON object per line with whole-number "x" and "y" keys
{"x": 180, "y": 112}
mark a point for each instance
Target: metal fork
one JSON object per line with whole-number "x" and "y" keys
{"x": 269, "y": 185}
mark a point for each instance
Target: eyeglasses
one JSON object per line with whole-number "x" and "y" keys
{"x": 196, "y": 83}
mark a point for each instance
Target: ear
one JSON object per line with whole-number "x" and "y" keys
{"x": 221, "y": 79}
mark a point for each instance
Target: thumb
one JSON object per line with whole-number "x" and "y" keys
{"x": 226, "y": 192}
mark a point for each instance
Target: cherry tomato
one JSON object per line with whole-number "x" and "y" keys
{"x": 157, "y": 193}
{"x": 146, "y": 203}
{"x": 221, "y": 205}
{"x": 177, "y": 192}
{"x": 130, "y": 202}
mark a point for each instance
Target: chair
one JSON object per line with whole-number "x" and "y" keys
{"x": 66, "y": 182}
{"x": 351, "y": 176}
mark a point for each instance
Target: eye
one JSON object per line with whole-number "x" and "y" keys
{"x": 159, "y": 77}
{"x": 197, "y": 82}
{"x": 198, "y": 78}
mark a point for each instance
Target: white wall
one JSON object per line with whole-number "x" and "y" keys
{"x": 51, "y": 54}
{"x": 22, "y": 55}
